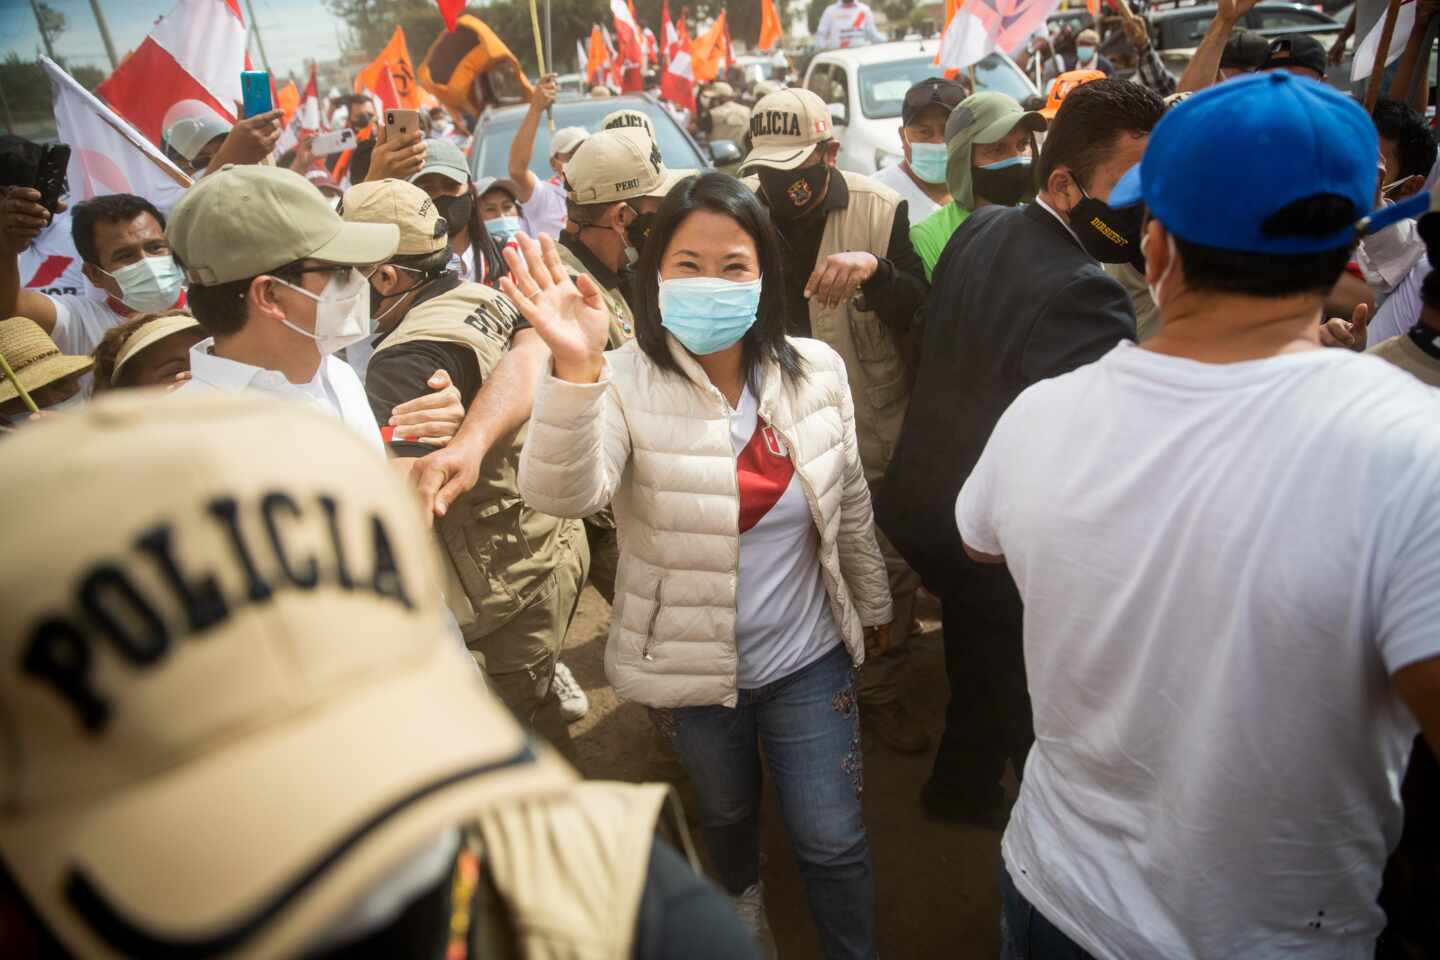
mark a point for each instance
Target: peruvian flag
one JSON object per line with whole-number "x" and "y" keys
{"x": 194, "y": 52}
{"x": 627, "y": 32}
{"x": 677, "y": 83}
{"x": 614, "y": 62}
{"x": 307, "y": 120}
{"x": 108, "y": 155}
{"x": 975, "y": 28}
{"x": 652, "y": 48}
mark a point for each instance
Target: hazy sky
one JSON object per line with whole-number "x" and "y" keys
{"x": 292, "y": 30}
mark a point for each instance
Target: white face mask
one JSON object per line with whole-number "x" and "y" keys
{"x": 150, "y": 285}
{"x": 1164, "y": 274}
{"x": 342, "y": 312}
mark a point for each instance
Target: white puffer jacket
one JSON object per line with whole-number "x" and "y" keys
{"x": 657, "y": 446}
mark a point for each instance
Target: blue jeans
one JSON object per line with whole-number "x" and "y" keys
{"x": 809, "y": 725}
{"x": 1025, "y": 934}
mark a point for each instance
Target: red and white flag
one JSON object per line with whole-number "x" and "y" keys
{"x": 1363, "y": 62}
{"x": 627, "y": 32}
{"x": 652, "y": 47}
{"x": 976, "y": 28}
{"x": 108, "y": 155}
{"x": 194, "y": 52}
{"x": 307, "y": 120}
{"x": 677, "y": 82}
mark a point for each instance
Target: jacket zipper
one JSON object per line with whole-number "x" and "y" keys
{"x": 654, "y": 615}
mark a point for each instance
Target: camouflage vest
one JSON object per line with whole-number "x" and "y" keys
{"x": 500, "y": 551}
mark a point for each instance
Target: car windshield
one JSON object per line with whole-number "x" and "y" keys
{"x": 883, "y": 85}
{"x": 491, "y": 155}
{"x": 1185, "y": 32}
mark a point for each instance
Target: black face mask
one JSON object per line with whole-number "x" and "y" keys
{"x": 1006, "y": 187}
{"x": 1107, "y": 234}
{"x": 456, "y": 211}
{"x": 637, "y": 231}
{"x": 360, "y": 123}
{"x": 793, "y": 193}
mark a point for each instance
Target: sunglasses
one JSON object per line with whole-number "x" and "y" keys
{"x": 947, "y": 93}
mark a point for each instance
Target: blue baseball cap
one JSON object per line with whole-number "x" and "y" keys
{"x": 1224, "y": 161}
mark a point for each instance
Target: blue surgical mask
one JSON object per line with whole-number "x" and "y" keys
{"x": 1084, "y": 54}
{"x": 1019, "y": 160}
{"x": 150, "y": 284}
{"x": 503, "y": 228}
{"x": 708, "y": 314}
{"x": 928, "y": 161}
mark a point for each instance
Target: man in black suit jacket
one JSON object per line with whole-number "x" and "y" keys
{"x": 1018, "y": 296}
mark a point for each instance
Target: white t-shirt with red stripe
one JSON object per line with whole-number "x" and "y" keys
{"x": 782, "y": 615}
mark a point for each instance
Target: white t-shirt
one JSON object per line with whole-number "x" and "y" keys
{"x": 847, "y": 25}
{"x": 895, "y": 177}
{"x": 1402, "y": 308}
{"x": 80, "y": 322}
{"x": 544, "y": 212}
{"x": 782, "y": 615}
{"x": 335, "y": 388}
{"x": 1222, "y": 566}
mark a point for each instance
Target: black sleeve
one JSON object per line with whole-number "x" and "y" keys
{"x": 898, "y": 287}
{"x": 682, "y": 915}
{"x": 402, "y": 373}
{"x": 1080, "y": 324}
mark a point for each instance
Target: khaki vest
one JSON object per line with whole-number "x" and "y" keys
{"x": 500, "y": 551}
{"x": 730, "y": 121}
{"x": 622, "y": 320}
{"x": 873, "y": 362}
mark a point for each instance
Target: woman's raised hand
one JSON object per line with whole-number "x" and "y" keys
{"x": 569, "y": 315}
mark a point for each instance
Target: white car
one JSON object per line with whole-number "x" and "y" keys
{"x": 865, "y": 87}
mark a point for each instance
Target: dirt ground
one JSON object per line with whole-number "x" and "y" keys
{"x": 937, "y": 885}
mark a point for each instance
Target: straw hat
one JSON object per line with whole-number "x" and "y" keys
{"x": 149, "y": 335}
{"x": 34, "y": 357}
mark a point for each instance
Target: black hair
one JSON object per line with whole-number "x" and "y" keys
{"x": 220, "y": 307}
{"x": 109, "y": 208}
{"x": 1092, "y": 117}
{"x": 587, "y": 214}
{"x": 1414, "y": 140}
{"x": 430, "y": 264}
{"x": 723, "y": 194}
{"x": 1214, "y": 270}
{"x": 19, "y": 160}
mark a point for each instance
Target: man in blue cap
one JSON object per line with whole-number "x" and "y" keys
{"x": 1227, "y": 540}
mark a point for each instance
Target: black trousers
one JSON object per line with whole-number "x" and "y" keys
{"x": 987, "y": 720}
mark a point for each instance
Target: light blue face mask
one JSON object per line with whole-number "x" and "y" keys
{"x": 1019, "y": 160}
{"x": 928, "y": 161}
{"x": 503, "y": 228}
{"x": 708, "y": 314}
{"x": 1084, "y": 54}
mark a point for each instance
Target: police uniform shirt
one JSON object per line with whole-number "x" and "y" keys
{"x": 335, "y": 388}
{"x": 403, "y": 372}
{"x": 607, "y": 278}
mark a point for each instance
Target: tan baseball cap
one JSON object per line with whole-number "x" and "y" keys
{"x": 721, "y": 89}
{"x": 621, "y": 164}
{"x": 241, "y": 221}
{"x": 232, "y": 705}
{"x": 422, "y": 229}
{"x": 785, "y": 127}
{"x": 628, "y": 120}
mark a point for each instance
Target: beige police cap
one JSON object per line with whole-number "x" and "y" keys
{"x": 621, "y": 164}
{"x": 628, "y": 120}
{"x": 567, "y": 139}
{"x": 785, "y": 127}
{"x": 422, "y": 229}
{"x": 241, "y": 221}
{"x": 231, "y": 703}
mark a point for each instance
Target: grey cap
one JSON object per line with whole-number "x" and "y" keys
{"x": 444, "y": 158}
{"x": 188, "y": 135}
{"x": 984, "y": 117}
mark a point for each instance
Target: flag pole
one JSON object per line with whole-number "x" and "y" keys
{"x": 1382, "y": 52}
{"x": 104, "y": 34}
{"x": 19, "y": 388}
{"x": 255, "y": 28}
{"x": 540, "y": 55}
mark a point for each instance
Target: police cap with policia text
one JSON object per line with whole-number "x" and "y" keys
{"x": 619, "y": 164}
{"x": 232, "y": 705}
{"x": 784, "y": 129}
{"x": 422, "y": 229}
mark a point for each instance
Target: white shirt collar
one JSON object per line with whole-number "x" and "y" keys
{"x": 225, "y": 374}
{"x": 1051, "y": 210}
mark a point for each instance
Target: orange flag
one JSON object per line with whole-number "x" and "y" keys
{"x": 394, "y": 59}
{"x": 287, "y": 98}
{"x": 707, "y": 51}
{"x": 595, "y": 60}
{"x": 770, "y": 29}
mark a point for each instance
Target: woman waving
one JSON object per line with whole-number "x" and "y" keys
{"x": 750, "y": 583}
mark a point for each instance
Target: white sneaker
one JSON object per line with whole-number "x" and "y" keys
{"x": 750, "y": 908}
{"x": 573, "y": 702}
